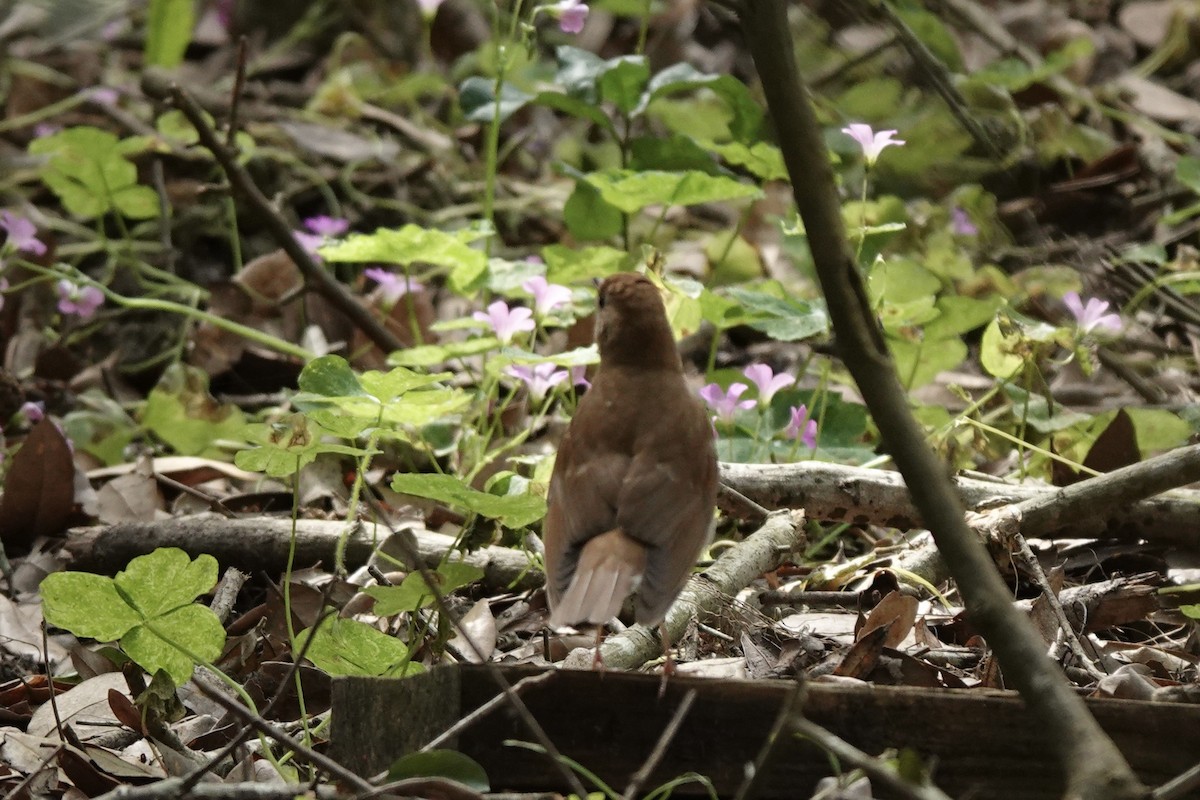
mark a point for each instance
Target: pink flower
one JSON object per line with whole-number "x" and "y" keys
{"x": 872, "y": 143}
{"x": 21, "y": 234}
{"x": 540, "y": 378}
{"x": 506, "y": 322}
{"x": 103, "y": 95}
{"x": 82, "y": 301}
{"x": 33, "y": 411}
{"x": 392, "y": 286}
{"x": 320, "y": 228}
{"x": 323, "y": 225}
{"x": 1091, "y": 316}
{"x": 725, "y": 403}
{"x": 803, "y": 427}
{"x": 579, "y": 376}
{"x": 767, "y": 381}
{"x": 961, "y": 224}
{"x": 571, "y": 15}
{"x": 546, "y": 296}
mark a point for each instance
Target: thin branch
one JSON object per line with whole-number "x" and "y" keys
{"x": 156, "y": 85}
{"x": 1093, "y": 765}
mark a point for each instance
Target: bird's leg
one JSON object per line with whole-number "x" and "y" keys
{"x": 668, "y": 668}
{"x": 597, "y": 660}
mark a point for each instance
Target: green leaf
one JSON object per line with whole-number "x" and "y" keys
{"x": 919, "y": 362}
{"x": 330, "y": 376}
{"x": 1187, "y": 172}
{"x": 1001, "y": 351}
{"x": 512, "y": 512}
{"x": 622, "y": 82}
{"x": 413, "y": 593}
{"x": 441, "y": 764}
{"x": 569, "y": 265}
{"x": 349, "y": 647}
{"x": 430, "y": 354}
{"x": 286, "y": 446}
{"x": 87, "y": 605}
{"x": 674, "y": 153}
{"x": 181, "y": 412}
{"x": 761, "y": 159}
{"x": 477, "y": 98}
{"x": 413, "y": 243}
{"x": 166, "y": 579}
{"x": 783, "y": 319}
{"x": 576, "y": 107}
{"x": 169, "y": 26}
{"x": 631, "y": 191}
{"x": 87, "y": 169}
{"x": 588, "y": 216}
{"x": 189, "y": 631}
{"x": 1158, "y": 429}
{"x": 746, "y": 113}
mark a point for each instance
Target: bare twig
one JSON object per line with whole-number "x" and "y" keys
{"x": 485, "y": 709}
{"x": 1092, "y": 764}
{"x": 755, "y": 772}
{"x": 319, "y": 760}
{"x": 875, "y": 769}
{"x": 660, "y": 747}
{"x": 157, "y": 85}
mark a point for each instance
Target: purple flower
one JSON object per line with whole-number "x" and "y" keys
{"x": 33, "y": 411}
{"x": 80, "y": 300}
{"x": 767, "y": 381}
{"x": 579, "y": 376}
{"x": 571, "y": 15}
{"x": 320, "y": 228}
{"x": 103, "y": 95}
{"x": 961, "y": 224}
{"x": 323, "y": 225}
{"x": 46, "y": 129}
{"x": 803, "y": 427}
{"x": 1091, "y": 316}
{"x": 546, "y": 296}
{"x": 540, "y": 378}
{"x": 872, "y": 143}
{"x": 725, "y": 403}
{"x": 21, "y": 234}
{"x": 506, "y": 322}
{"x": 391, "y": 285}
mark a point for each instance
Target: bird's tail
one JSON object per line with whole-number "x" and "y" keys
{"x": 609, "y": 569}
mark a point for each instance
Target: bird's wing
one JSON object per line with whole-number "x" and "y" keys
{"x": 582, "y": 503}
{"x": 666, "y": 502}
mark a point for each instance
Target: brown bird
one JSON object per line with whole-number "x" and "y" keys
{"x": 634, "y": 486}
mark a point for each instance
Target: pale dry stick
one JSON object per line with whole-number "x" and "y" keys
{"x": 874, "y": 769}
{"x": 319, "y": 760}
{"x": 1026, "y": 557}
{"x": 761, "y": 551}
{"x": 660, "y": 747}
{"x": 412, "y": 556}
{"x": 174, "y": 789}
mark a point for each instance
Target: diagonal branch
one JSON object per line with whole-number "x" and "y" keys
{"x": 1093, "y": 766}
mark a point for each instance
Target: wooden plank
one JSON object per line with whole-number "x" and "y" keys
{"x": 983, "y": 743}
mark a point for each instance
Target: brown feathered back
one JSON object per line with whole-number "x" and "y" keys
{"x": 634, "y": 485}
